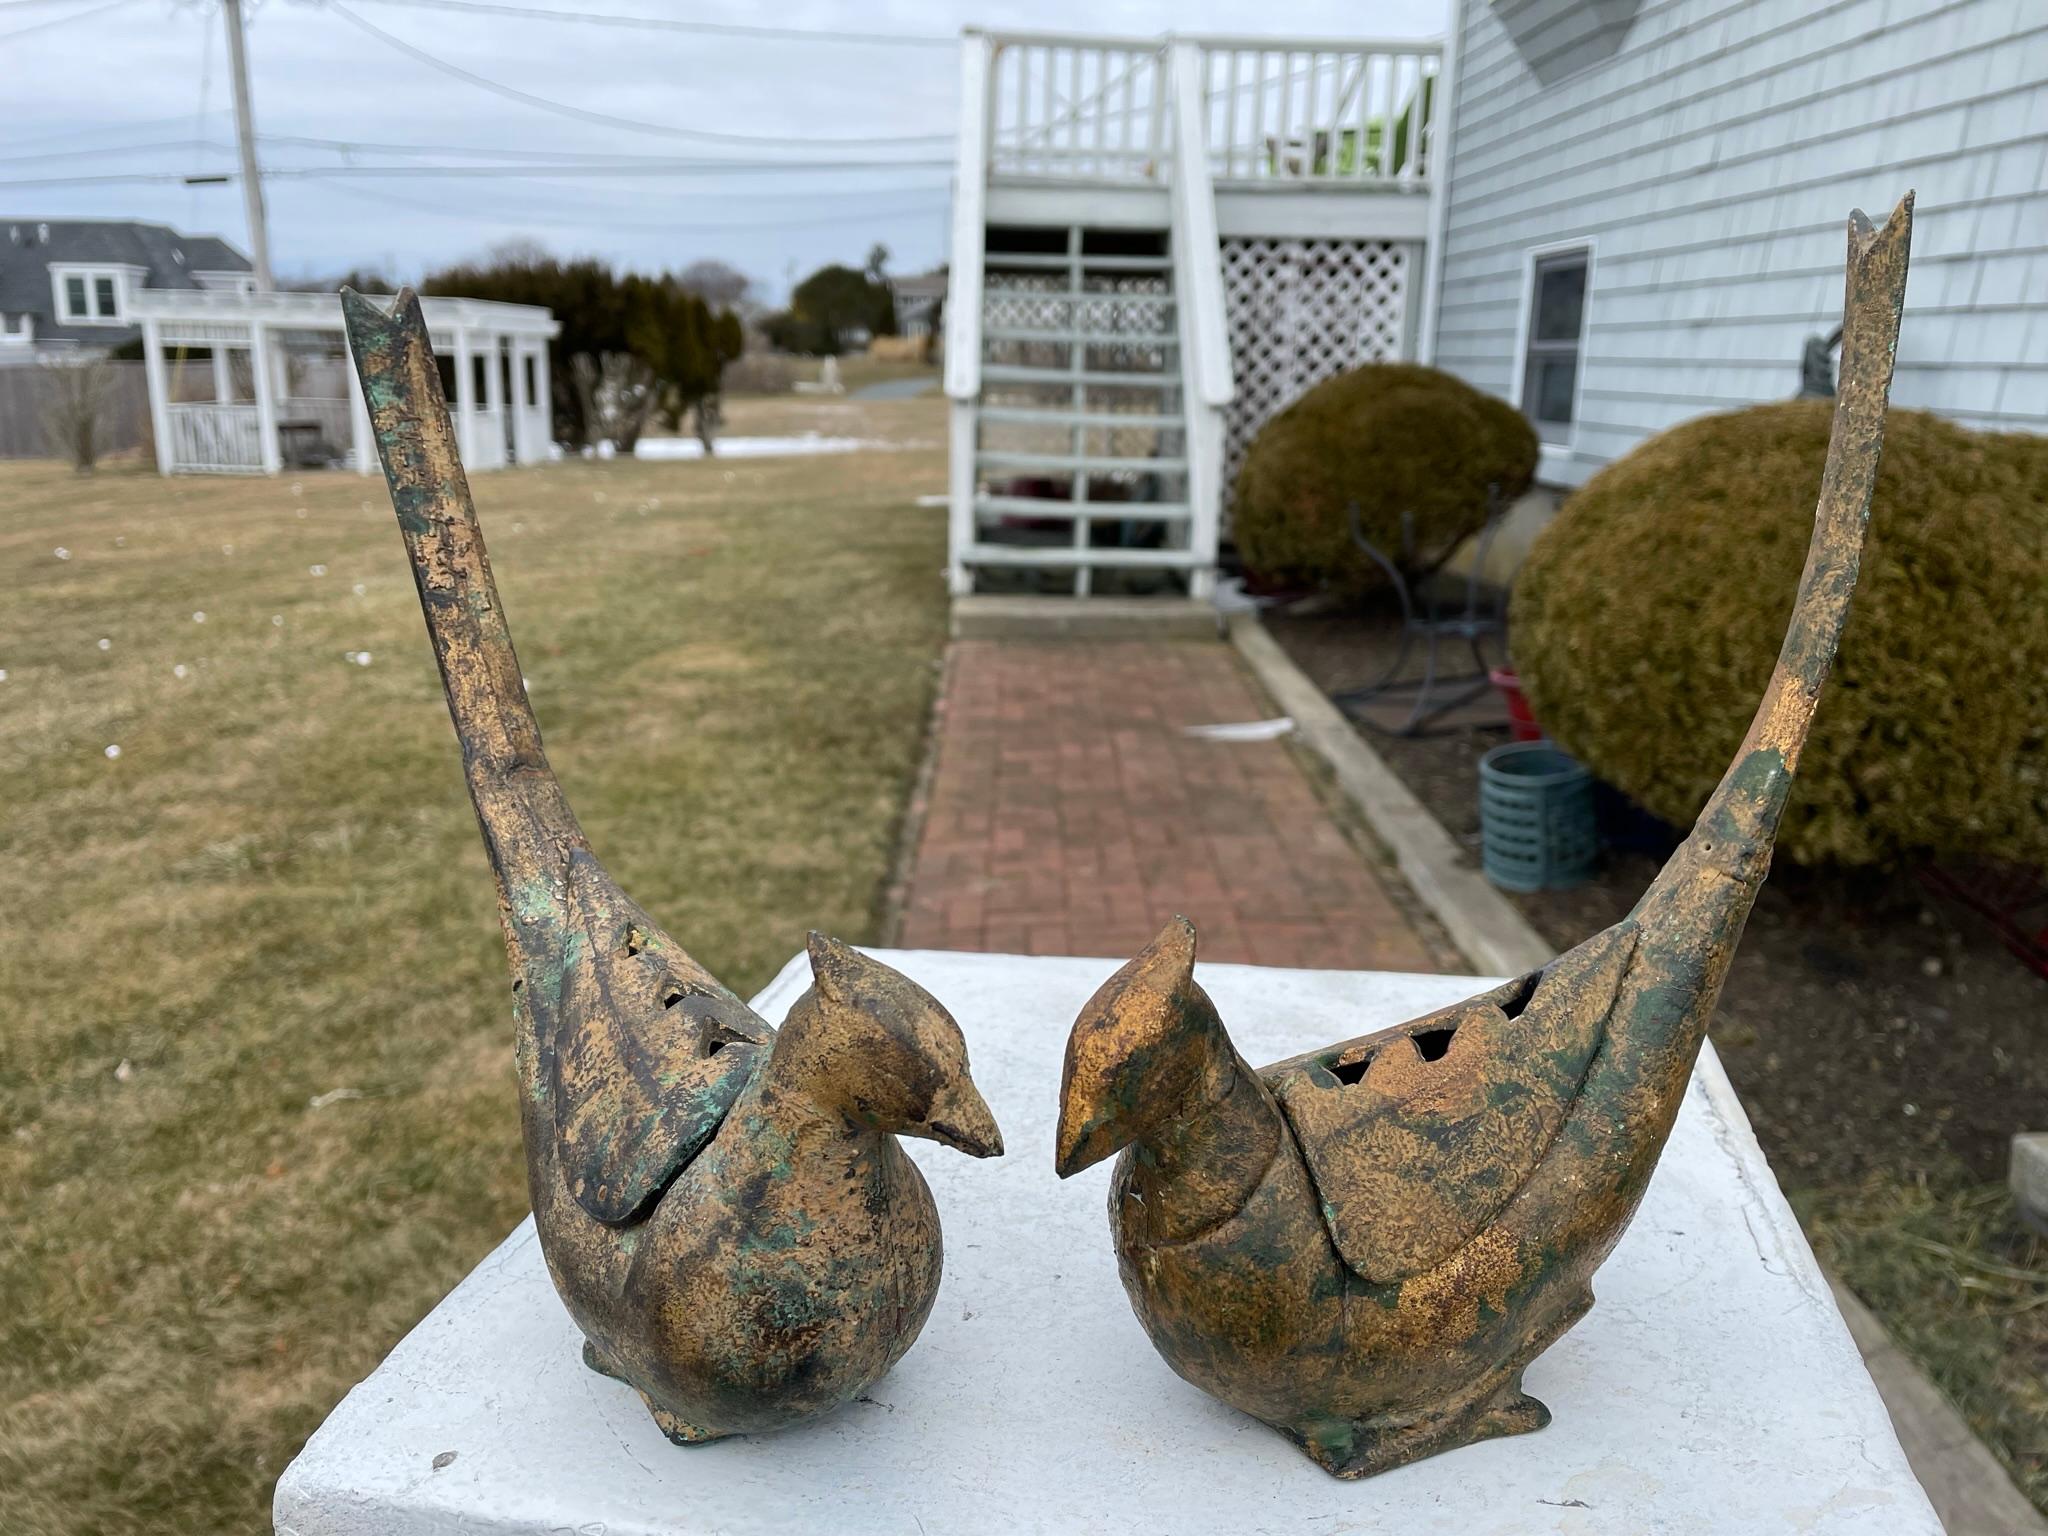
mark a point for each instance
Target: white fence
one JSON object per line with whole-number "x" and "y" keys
{"x": 215, "y": 439}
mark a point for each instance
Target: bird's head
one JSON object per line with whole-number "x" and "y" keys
{"x": 1145, "y": 1048}
{"x": 879, "y": 1047}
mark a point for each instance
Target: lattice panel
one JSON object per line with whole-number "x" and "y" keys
{"x": 1300, "y": 311}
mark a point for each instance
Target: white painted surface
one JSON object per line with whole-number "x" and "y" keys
{"x": 1713, "y": 1388}
{"x": 1715, "y": 157}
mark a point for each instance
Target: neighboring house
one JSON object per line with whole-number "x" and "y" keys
{"x": 1646, "y": 199}
{"x": 67, "y": 285}
{"x": 920, "y": 302}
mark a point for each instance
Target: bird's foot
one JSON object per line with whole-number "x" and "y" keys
{"x": 601, "y": 1363}
{"x": 679, "y": 1431}
{"x": 1358, "y": 1448}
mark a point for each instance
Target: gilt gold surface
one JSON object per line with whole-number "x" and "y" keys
{"x": 1367, "y": 1245}
{"x": 723, "y": 1207}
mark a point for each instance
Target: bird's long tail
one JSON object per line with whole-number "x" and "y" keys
{"x": 1876, "y": 291}
{"x": 1692, "y": 916}
{"x": 528, "y": 827}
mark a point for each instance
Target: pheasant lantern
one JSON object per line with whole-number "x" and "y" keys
{"x": 1365, "y": 1246}
{"x": 723, "y": 1207}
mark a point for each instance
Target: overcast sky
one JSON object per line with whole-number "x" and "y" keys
{"x": 117, "y": 88}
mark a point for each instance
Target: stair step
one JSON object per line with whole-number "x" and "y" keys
{"x": 1092, "y": 511}
{"x": 1047, "y": 261}
{"x": 1068, "y": 417}
{"x": 1085, "y": 463}
{"x": 1062, "y": 558}
{"x": 1015, "y": 373}
{"x": 1044, "y": 296}
{"x": 1082, "y": 338}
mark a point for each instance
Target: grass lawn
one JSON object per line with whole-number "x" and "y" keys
{"x": 256, "y": 1093}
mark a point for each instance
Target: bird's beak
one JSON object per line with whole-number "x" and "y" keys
{"x": 1082, "y": 1141}
{"x": 960, "y": 1119}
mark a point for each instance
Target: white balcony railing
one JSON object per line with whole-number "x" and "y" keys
{"x": 1067, "y": 107}
{"x": 215, "y": 439}
{"x": 1298, "y": 112}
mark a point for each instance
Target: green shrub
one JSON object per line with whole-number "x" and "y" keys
{"x": 1395, "y": 438}
{"x": 1648, "y": 617}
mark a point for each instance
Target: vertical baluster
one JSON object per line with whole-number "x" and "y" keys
{"x": 1127, "y": 66}
{"x": 1284, "y": 135}
{"x": 1361, "y": 112}
{"x": 1383, "y": 112}
{"x": 1081, "y": 133}
{"x": 1413, "y": 169}
{"x": 1230, "y": 117}
{"x": 1258, "y": 111}
{"x": 1420, "y": 123}
{"x": 1157, "y": 67}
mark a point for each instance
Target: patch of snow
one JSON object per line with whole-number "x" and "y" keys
{"x": 1241, "y": 730}
{"x": 663, "y": 449}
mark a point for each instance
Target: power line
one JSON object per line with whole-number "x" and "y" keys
{"x": 667, "y": 24}
{"x": 577, "y": 168}
{"x": 584, "y": 222}
{"x": 582, "y": 157}
{"x": 151, "y": 147}
{"x": 607, "y": 119}
{"x": 58, "y": 21}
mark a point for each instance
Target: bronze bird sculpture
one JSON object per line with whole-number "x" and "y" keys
{"x": 723, "y": 1207}
{"x": 1365, "y": 1246}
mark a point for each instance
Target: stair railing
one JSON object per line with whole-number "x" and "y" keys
{"x": 963, "y": 300}
{"x": 1208, "y": 384}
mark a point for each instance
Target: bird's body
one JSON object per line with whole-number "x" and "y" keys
{"x": 723, "y": 1207}
{"x": 1366, "y": 1245}
{"x": 738, "y": 1329}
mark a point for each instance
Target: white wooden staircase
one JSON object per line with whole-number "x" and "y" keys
{"x": 1089, "y": 341}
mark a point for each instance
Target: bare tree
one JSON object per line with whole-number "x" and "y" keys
{"x": 717, "y": 283}
{"x": 516, "y": 251}
{"x": 77, "y": 402}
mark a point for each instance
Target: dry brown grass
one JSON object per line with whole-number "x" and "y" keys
{"x": 276, "y": 891}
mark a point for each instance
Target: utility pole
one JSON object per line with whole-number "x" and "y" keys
{"x": 245, "y": 133}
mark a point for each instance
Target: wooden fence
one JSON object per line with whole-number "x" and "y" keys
{"x": 24, "y": 389}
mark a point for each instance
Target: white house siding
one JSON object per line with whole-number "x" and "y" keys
{"x": 1712, "y": 160}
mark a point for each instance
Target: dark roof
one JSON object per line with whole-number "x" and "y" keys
{"x": 29, "y": 245}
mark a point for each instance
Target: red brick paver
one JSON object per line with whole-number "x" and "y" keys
{"x": 1070, "y": 813}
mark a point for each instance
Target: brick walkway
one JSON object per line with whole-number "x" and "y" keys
{"x": 1069, "y": 813}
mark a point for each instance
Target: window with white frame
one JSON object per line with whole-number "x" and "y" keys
{"x": 87, "y": 295}
{"x": 1554, "y": 329}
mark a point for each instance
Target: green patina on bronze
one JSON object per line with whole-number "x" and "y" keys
{"x": 1367, "y": 1245}
{"x": 723, "y": 1206}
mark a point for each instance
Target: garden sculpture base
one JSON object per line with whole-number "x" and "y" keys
{"x": 1714, "y": 1388}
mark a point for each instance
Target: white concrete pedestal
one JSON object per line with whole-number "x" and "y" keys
{"x": 1713, "y": 1388}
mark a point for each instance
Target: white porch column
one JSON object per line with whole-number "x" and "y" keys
{"x": 543, "y": 400}
{"x": 494, "y": 389}
{"x": 159, "y": 393}
{"x": 364, "y": 446}
{"x": 464, "y": 401}
{"x": 266, "y": 397}
{"x": 524, "y": 448}
{"x": 223, "y": 381}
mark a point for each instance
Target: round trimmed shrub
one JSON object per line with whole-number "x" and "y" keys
{"x": 1648, "y": 617}
{"x": 1396, "y": 438}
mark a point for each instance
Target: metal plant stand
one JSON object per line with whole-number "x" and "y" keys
{"x": 1433, "y": 613}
